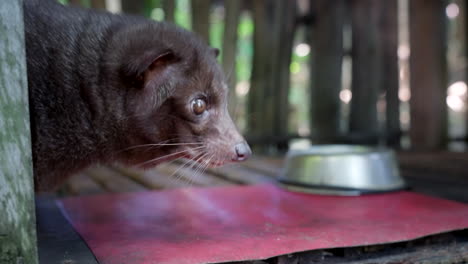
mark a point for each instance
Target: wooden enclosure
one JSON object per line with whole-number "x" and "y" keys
{"x": 349, "y": 57}
{"x": 367, "y": 33}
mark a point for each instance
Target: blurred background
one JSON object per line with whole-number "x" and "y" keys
{"x": 342, "y": 71}
{"x": 302, "y": 72}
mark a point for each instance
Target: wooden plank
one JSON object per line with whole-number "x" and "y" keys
{"x": 326, "y": 64}
{"x": 169, "y": 10}
{"x": 17, "y": 232}
{"x": 366, "y": 69}
{"x": 112, "y": 181}
{"x": 75, "y": 2}
{"x": 263, "y": 166}
{"x": 452, "y": 165}
{"x": 267, "y": 106}
{"x": 443, "y": 189}
{"x": 192, "y": 176}
{"x": 284, "y": 23}
{"x": 238, "y": 174}
{"x": 151, "y": 179}
{"x": 201, "y": 18}
{"x": 260, "y": 105}
{"x": 232, "y": 11}
{"x": 428, "y": 71}
{"x": 82, "y": 184}
{"x": 135, "y": 7}
{"x": 390, "y": 77}
{"x": 99, "y": 4}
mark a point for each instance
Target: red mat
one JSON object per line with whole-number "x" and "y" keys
{"x": 206, "y": 225}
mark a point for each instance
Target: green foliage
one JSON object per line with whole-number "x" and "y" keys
{"x": 217, "y": 28}
{"x": 86, "y": 3}
{"x": 183, "y": 16}
{"x": 157, "y": 14}
{"x": 245, "y": 47}
{"x": 153, "y": 9}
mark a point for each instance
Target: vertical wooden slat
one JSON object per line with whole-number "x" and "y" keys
{"x": 169, "y": 10}
{"x": 260, "y": 101}
{"x": 232, "y": 10}
{"x": 428, "y": 74}
{"x": 465, "y": 45}
{"x": 75, "y": 2}
{"x": 201, "y": 18}
{"x": 274, "y": 25}
{"x": 366, "y": 70}
{"x": 17, "y": 218}
{"x": 326, "y": 64}
{"x": 135, "y": 7}
{"x": 390, "y": 79}
{"x": 285, "y": 17}
{"x": 100, "y": 4}
{"x": 259, "y": 64}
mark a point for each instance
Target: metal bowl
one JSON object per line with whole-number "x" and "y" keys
{"x": 341, "y": 170}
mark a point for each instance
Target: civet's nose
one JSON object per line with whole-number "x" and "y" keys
{"x": 243, "y": 151}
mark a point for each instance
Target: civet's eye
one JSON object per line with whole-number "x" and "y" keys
{"x": 198, "y": 106}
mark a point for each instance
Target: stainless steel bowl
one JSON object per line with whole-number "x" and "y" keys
{"x": 341, "y": 170}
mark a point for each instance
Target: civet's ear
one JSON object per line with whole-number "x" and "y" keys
{"x": 151, "y": 69}
{"x": 157, "y": 72}
{"x": 151, "y": 73}
{"x": 215, "y": 51}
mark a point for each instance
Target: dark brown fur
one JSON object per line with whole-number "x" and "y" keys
{"x": 102, "y": 84}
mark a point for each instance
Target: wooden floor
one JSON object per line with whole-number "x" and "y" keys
{"x": 171, "y": 175}
{"x": 442, "y": 174}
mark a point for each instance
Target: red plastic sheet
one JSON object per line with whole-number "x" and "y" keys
{"x": 206, "y": 225}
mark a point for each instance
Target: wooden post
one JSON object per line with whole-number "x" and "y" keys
{"x": 135, "y": 7}
{"x": 428, "y": 74}
{"x": 201, "y": 18}
{"x": 326, "y": 64}
{"x": 75, "y": 2}
{"x": 99, "y": 4}
{"x": 169, "y": 10}
{"x": 232, "y": 10}
{"x": 17, "y": 220}
{"x": 258, "y": 78}
{"x": 260, "y": 101}
{"x": 285, "y": 28}
{"x": 465, "y": 45}
{"x": 268, "y": 96}
{"x": 366, "y": 70}
{"x": 390, "y": 78}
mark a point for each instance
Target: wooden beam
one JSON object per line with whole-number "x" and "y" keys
{"x": 232, "y": 11}
{"x": 366, "y": 67}
{"x": 326, "y": 64}
{"x": 75, "y": 2}
{"x": 284, "y": 32}
{"x": 428, "y": 74}
{"x": 390, "y": 78}
{"x": 17, "y": 220}
{"x": 260, "y": 102}
{"x": 268, "y": 96}
{"x": 201, "y": 18}
{"x": 464, "y": 15}
{"x": 99, "y": 4}
{"x": 112, "y": 181}
{"x": 169, "y": 10}
{"x": 135, "y": 7}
